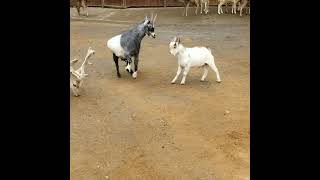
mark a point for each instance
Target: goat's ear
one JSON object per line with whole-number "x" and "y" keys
{"x": 154, "y": 19}
{"x": 178, "y": 40}
{"x": 145, "y": 21}
{"x": 174, "y": 39}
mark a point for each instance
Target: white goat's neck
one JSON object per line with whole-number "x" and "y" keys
{"x": 181, "y": 50}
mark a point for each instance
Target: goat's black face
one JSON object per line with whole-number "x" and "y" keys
{"x": 150, "y": 30}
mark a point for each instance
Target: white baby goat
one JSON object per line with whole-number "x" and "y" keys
{"x": 192, "y": 57}
{"x": 77, "y": 76}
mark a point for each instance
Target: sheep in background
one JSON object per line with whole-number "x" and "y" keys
{"x": 83, "y": 4}
{"x": 206, "y": 6}
{"x": 234, "y": 6}
{"x": 243, "y": 4}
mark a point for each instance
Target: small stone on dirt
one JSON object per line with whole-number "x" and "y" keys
{"x": 226, "y": 112}
{"x": 133, "y": 115}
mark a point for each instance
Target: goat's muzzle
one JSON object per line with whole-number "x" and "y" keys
{"x": 153, "y": 35}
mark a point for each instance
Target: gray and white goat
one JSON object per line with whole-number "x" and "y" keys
{"x": 77, "y": 76}
{"x": 126, "y": 46}
{"x": 192, "y": 57}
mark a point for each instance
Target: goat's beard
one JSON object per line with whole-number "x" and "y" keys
{"x": 153, "y": 35}
{"x": 173, "y": 52}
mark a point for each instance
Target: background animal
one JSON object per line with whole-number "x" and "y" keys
{"x": 206, "y": 6}
{"x": 244, "y": 4}
{"x": 222, "y": 2}
{"x": 83, "y": 4}
{"x": 187, "y": 3}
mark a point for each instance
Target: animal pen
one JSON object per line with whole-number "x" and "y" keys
{"x": 135, "y": 3}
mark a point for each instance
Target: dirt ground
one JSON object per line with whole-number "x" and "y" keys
{"x": 147, "y": 128}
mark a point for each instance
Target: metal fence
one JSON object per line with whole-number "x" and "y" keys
{"x": 135, "y": 3}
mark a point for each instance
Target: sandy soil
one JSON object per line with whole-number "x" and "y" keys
{"x": 147, "y": 128}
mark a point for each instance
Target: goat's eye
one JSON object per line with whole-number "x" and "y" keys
{"x": 174, "y": 46}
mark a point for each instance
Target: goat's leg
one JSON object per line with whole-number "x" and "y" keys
{"x": 221, "y": 11}
{"x": 226, "y": 8}
{"x": 78, "y": 5}
{"x": 205, "y": 73}
{"x": 242, "y": 6}
{"x": 184, "y": 9}
{"x": 234, "y": 8}
{"x": 116, "y": 61}
{"x": 78, "y": 10}
{"x": 219, "y": 8}
{"x": 74, "y": 89}
{"x": 215, "y": 69}
{"x": 129, "y": 62}
{"x": 185, "y": 72}
{"x": 85, "y": 8}
{"x": 187, "y": 6}
{"x": 136, "y": 62}
{"x": 177, "y": 75}
{"x": 197, "y": 8}
{"x": 206, "y": 6}
{"x": 201, "y": 5}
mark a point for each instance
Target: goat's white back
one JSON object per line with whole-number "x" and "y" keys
{"x": 115, "y": 46}
{"x": 199, "y": 56}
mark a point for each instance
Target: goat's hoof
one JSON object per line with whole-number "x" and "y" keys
{"x": 119, "y": 75}
{"x": 134, "y": 75}
{"x": 172, "y": 82}
{"x": 202, "y": 80}
{"x": 182, "y": 83}
{"x": 218, "y": 81}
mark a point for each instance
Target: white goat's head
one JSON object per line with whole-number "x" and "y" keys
{"x": 174, "y": 46}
